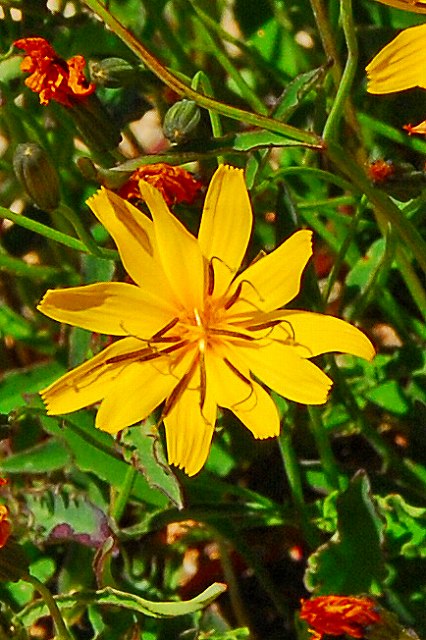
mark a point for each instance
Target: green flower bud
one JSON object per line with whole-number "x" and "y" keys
{"x": 37, "y": 174}
{"x": 114, "y": 73}
{"x": 97, "y": 128}
{"x": 181, "y": 121}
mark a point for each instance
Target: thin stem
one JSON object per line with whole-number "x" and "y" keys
{"x": 334, "y": 477}
{"x": 327, "y": 38}
{"x": 343, "y": 91}
{"x": 52, "y": 234}
{"x": 62, "y": 631}
{"x": 80, "y": 229}
{"x": 122, "y": 496}
{"x": 182, "y": 89}
{"x": 292, "y": 471}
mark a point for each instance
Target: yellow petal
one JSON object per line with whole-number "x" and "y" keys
{"x": 417, "y": 6}
{"x": 274, "y": 280}
{"x": 137, "y": 391}
{"x": 189, "y": 429}
{"x": 283, "y": 370}
{"x": 113, "y": 308}
{"x": 234, "y": 389}
{"x": 179, "y": 251}
{"x": 314, "y": 333}
{"x": 89, "y": 382}
{"x": 133, "y": 233}
{"x": 399, "y": 65}
{"x": 225, "y": 225}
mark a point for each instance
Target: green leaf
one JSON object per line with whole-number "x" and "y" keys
{"x": 63, "y": 517}
{"x": 44, "y": 457}
{"x": 405, "y": 527}
{"x": 130, "y": 601}
{"x": 93, "y": 451}
{"x": 351, "y": 562}
{"x": 389, "y": 396}
{"x": 17, "y": 383}
{"x": 148, "y": 457}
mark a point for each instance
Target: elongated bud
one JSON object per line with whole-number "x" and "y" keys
{"x": 97, "y": 128}
{"x": 114, "y": 73}
{"x": 37, "y": 174}
{"x": 181, "y": 121}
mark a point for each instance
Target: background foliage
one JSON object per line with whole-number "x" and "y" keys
{"x": 337, "y": 503}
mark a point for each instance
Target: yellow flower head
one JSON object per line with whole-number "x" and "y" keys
{"x": 195, "y": 334}
{"x": 400, "y": 64}
{"x": 417, "y": 6}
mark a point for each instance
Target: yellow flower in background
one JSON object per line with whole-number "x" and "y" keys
{"x": 195, "y": 335}
{"x": 401, "y": 64}
{"x": 418, "y": 6}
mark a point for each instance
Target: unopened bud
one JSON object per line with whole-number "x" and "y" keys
{"x": 114, "y": 73}
{"x": 181, "y": 121}
{"x": 97, "y": 128}
{"x": 37, "y": 174}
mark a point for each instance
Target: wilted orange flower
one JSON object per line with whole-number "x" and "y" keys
{"x": 4, "y": 525}
{"x": 336, "y": 615}
{"x": 174, "y": 183}
{"x": 380, "y": 170}
{"x": 52, "y": 77}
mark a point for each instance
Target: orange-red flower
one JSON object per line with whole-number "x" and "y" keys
{"x": 4, "y": 525}
{"x": 52, "y": 77}
{"x": 380, "y": 170}
{"x": 419, "y": 129}
{"x": 175, "y": 184}
{"x": 336, "y": 615}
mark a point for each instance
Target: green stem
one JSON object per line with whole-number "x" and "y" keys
{"x": 62, "y": 631}
{"x": 332, "y": 125}
{"x": 182, "y": 89}
{"x": 203, "y": 80}
{"x": 52, "y": 234}
{"x": 292, "y": 471}
{"x": 225, "y": 62}
{"x": 80, "y": 229}
{"x": 327, "y": 38}
{"x": 334, "y": 478}
{"x": 122, "y": 497}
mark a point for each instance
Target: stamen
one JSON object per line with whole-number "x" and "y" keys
{"x": 235, "y": 296}
{"x": 242, "y": 377}
{"x": 164, "y": 330}
{"x": 143, "y": 355}
{"x": 230, "y": 334}
{"x": 210, "y": 278}
{"x": 179, "y": 389}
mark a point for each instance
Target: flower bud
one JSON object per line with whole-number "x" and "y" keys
{"x": 97, "y": 128}
{"x": 37, "y": 174}
{"x": 181, "y": 121}
{"x": 114, "y": 73}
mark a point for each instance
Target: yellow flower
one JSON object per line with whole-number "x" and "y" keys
{"x": 418, "y": 6}
{"x": 194, "y": 333}
{"x": 400, "y": 64}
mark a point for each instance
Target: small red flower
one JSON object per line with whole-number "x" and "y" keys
{"x": 380, "y": 170}
{"x": 336, "y": 615}
{"x": 176, "y": 184}
{"x": 52, "y": 77}
{"x": 5, "y": 527}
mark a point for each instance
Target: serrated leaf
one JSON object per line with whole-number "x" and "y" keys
{"x": 93, "y": 452}
{"x": 405, "y": 527}
{"x": 148, "y": 457}
{"x": 352, "y": 561}
{"x": 62, "y": 517}
{"x": 44, "y": 457}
